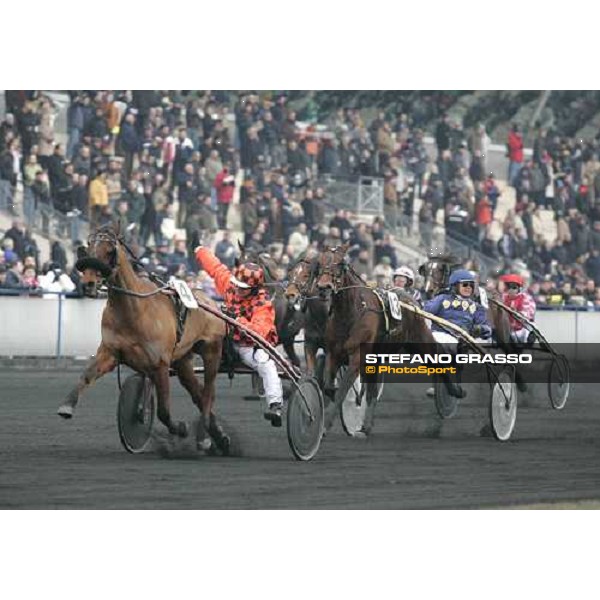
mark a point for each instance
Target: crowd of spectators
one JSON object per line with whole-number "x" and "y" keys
{"x": 170, "y": 164}
{"x": 561, "y": 176}
{"x": 167, "y": 164}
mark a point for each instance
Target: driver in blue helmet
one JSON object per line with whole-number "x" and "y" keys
{"x": 460, "y": 308}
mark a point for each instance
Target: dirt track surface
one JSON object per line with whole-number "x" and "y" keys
{"x": 413, "y": 460}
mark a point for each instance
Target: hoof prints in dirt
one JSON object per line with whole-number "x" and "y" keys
{"x": 174, "y": 447}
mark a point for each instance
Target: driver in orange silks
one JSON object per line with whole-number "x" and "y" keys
{"x": 246, "y": 301}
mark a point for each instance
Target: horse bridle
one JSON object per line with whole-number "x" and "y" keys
{"x": 435, "y": 265}
{"x": 112, "y": 238}
{"x": 335, "y": 270}
{"x": 343, "y": 267}
{"x": 303, "y": 289}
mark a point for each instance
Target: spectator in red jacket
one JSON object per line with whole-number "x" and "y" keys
{"x": 515, "y": 154}
{"x": 224, "y": 185}
{"x": 483, "y": 216}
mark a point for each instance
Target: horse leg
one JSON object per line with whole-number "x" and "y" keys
{"x": 160, "y": 378}
{"x": 370, "y": 396}
{"x": 288, "y": 346}
{"x": 211, "y": 356}
{"x": 102, "y": 363}
{"x": 310, "y": 354}
{"x": 332, "y": 364}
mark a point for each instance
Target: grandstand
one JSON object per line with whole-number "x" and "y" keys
{"x": 301, "y": 157}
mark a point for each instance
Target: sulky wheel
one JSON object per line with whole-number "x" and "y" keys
{"x": 135, "y": 413}
{"x": 559, "y": 382}
{"x": 445, "y": 404}
{"x": 503, "y": 405}
{"x": 305, "y": 418}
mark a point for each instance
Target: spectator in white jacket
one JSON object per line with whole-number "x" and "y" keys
{"x": 298, "y": 242}
{"x": 55, "y": 280}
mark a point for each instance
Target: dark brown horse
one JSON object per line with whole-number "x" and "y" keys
{"x": 302, "y": 288}
{"x": 357, "y": 317}
{"x": 139, "y": 329}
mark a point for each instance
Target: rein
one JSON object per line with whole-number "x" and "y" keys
{"x": 126, "y": 292}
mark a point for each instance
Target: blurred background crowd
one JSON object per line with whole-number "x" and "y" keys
{"x": 510, "y": 180}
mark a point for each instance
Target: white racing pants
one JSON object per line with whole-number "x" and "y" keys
{"x": 520, "y": 335}
{"x": 264, "y": 365}
{"x": 441, "y": 337}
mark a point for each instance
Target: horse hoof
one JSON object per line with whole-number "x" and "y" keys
{"x": 65, "y": 411}
{"x": 486, "y": 431}
{"x": 204, "y": 445}
{"x": 224, "y": 445}
{"x": 182, "y": 429}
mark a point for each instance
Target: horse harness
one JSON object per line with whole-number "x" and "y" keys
{"x": 391, "y": 325}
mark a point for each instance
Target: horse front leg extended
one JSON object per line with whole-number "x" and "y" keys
{"x": 160, "y": 379}
{"x": 104, "y": 362}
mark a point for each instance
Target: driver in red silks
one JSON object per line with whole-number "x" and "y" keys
{"x": 520, "y": 301}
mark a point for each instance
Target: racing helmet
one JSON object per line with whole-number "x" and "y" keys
{"x": 512, "y": 278}
{"x": 406, "y": 272}
{"x": 461, "y": 276}
{"x": 248, "y": 276}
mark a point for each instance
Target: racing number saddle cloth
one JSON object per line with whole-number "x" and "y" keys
{"x": 392, "y": 311}
{"x": 184, "y": 300}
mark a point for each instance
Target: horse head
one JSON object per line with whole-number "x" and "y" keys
{"x": 332, "y": 264}
{"x": 301, "y": 278}
{"x": 99, "y": 260}
{"x": 436, "y": 272}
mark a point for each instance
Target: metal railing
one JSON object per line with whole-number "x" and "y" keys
{"x": 46, "y": 220}
{"x": 364, "y": 197}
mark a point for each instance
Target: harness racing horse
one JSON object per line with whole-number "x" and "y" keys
{"x": 358, "y": 317}
{"x": 140, "y": 330}
{"x": 288, "y": 320}
{"x": 302, "y": 288}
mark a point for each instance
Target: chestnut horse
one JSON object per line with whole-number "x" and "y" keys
{"x": 357, "y": 317}
{"x": 139, "y": 329}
